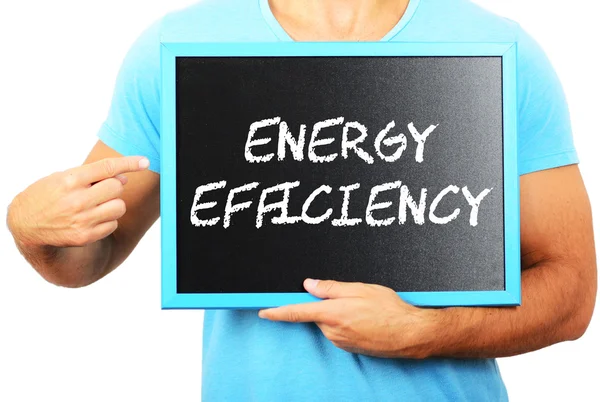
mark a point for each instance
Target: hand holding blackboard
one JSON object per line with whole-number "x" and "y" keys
{"x": 360, "y": 318}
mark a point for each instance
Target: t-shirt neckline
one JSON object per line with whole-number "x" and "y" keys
{"x": 282, "y": 35}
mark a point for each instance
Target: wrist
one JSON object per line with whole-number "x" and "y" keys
{"x": 12, "y": 222}
{"x": 27, "y": 244}
{"x": 454, "y": 330}
{"x": 433, "y": 331}
{"x": 422, "y": 339}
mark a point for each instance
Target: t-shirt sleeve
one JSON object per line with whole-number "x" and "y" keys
{"x": 545, "y": 137}
{"x": 132, "y": 126}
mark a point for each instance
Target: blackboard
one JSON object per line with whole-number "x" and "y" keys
{"x": 380, "y": 169}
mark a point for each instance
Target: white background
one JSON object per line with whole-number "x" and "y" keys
{"x": 110, "y": 341}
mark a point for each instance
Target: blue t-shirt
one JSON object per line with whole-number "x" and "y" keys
{"x": 248, "y": 358}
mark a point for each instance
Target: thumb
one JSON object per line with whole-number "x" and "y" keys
{"x": 330, "y": 289}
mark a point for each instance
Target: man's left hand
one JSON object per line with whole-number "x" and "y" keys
{"x": 364, "y": 318}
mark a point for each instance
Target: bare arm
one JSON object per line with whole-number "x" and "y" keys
{"x": 559, "y": 283}
{"x": 74, "y": 233}
{"x": 559, "y": 279}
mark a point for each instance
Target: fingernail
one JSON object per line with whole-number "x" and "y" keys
{"x": 144, "y": 163}
{"x": 311, "y": 283}
{"x": 261, "y": 314}
{"x": 122, "y": 178}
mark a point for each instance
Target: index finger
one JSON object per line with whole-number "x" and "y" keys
{"x": 110, "y": 167}
{"x": 304, "y": 312}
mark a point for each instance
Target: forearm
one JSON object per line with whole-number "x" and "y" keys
{"x": 551, "y": 312}
{"x": 65, "y": 266}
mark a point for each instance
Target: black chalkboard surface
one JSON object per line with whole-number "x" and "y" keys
{"x": 380, "y": 169}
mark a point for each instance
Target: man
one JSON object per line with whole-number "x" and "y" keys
{"x": 362, "y": 343}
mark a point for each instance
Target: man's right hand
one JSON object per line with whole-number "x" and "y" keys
{"x": 73, "y": 227}
{"x": 73, "y": 208}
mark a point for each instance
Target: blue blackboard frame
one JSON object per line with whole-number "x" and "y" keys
{"x": 511, "y": 296}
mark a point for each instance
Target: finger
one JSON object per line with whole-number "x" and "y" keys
{"x": 110, "y": 167}
{"x": 330, "y": 289}
{"x": 122, "y": 178}
{"x": 103, "y": 191}
{"x": 305, "y": 312}
{"x": 102, "y": 230}
{"x": 108, "y": 211}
